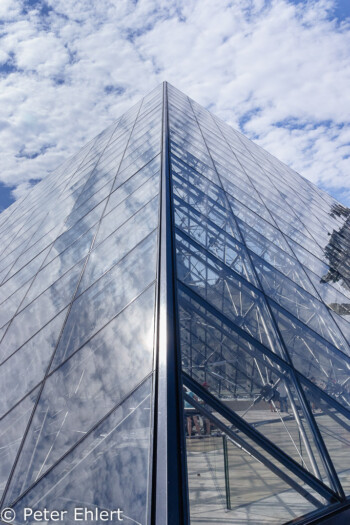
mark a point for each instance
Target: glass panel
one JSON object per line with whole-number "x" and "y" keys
{"x": 228, "y": 482}
{"x": 275, "y": 256}
{"x": 35, "y": 249}
{"x": 71, "y": 235}
{"x": 87, "y": 207}
{"x": 210, "y": 208}
{"x": 133, "y": 183}
{"x": 22, "y": 276}
{"x": 108, "y": 470}
{"x": 148, "y": 169}
{"x": 228, "y": 294}
{"x": 315, "y": 357}
{"x": 246, "y": 198}
{"x": 196, "y": 179}
{"x": 82, "y": 391}
{"x": 9, "y": 307}
{"x": 128, "y": 207}
{"x": 27, "y": 367}
{"x": 258, "y": 224}
{"x": 343, "y": 324}
{"x": 252, "y": 384}
{"x": 223, "y": 246}
{"x": 12, "y": 428}
{"x": 333, "y": 298}
{"x": 39, "y": 312}
{"x": 305, "y": 307}
{"x": 118, "y": 244}
{"x": 59, "y": 266}
{"x": 143, "y": 158}
{"x": 107, "y": 297}
{"x": 335, "y": 430}
{"x": 88, "y": 201}
{"x": 9, "y": 260}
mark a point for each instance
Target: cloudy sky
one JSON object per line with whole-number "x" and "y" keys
{"x": 278, "y": 70}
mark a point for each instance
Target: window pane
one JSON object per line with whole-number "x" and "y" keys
{"x": 245, "y": 306}
{"x": 12, "y": 428}
{"x": 119, "y": 243}
{"x": 82, "y": 391}
{"x": 27, "y": 367}
{"x": 39, "y": 312}
{"x": 109, "y": 468}
{"x": 107, "y": 297}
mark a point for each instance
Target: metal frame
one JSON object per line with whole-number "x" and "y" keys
{"x": 168, "y": 493}
{"x": 169, "y": 476}
{"x": 315, "y": 482}
{"x": 259, "y": 440}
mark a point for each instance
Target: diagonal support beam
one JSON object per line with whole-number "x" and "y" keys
{"x": 241, "y": 442}
{"x": 260, "y": 440}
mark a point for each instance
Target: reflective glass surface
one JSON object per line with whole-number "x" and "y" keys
{"x": 82, "y": 391}
{"x": 107, "y": 297}
{"x": 227, "y": 481}
{"x": 32, "y": 318}
{"x": 109, "y": 469}
{"x": 26, "y": 368}
{"x": 263, "y": 291}
{"x": 259, "y": 258}
{"x": 12, "y": 429}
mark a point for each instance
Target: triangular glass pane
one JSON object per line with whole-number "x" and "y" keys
{"x": 334, "y": 427}
{"x": 110, "y": 294}
{"x": 301, "y": 304}
{"x": 242, "y": 304}
{"x": 275, "y": 256}
{"x": 10, "y": 306}
{"x": 315, "y": 357}
{"x": 37, "y": 314}
{"x": 21, "y": 277}
{"x": 213, "y": 239}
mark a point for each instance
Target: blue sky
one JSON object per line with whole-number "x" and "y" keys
{"x": 277, "y": 70}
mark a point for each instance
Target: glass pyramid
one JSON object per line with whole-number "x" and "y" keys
{"x": 175, "y": 321}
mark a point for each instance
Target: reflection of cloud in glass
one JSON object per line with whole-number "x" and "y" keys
{"x": 108, "y": 469}
{"x": 79, "y": 393}
{"x": 12, "y": 428}
{"x": 39, "y": 312}
{"x": 27, "y": 367}
{"x": 109, "y": 295}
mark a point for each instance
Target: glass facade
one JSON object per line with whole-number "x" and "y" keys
{"x": 175, "y": 322}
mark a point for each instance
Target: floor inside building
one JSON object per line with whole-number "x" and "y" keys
{"x": 235, "y": 479}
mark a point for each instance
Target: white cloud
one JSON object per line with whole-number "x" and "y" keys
{"x": 284, "y": 66}
{"x": 44, "y": 53}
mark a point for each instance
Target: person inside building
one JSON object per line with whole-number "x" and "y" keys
{"x": 191, "y": 414}
{"x": 270, "y": 394}
{"x": 206, "y": 421}
{"x": 281, "y": 389}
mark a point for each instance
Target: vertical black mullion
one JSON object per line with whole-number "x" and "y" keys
{"x": 227, "y": 472}
{"x": 169, "y": 482}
